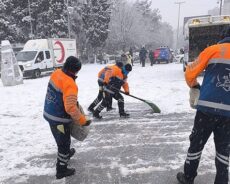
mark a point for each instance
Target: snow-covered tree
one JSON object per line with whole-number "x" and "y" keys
{"x": 41, "y": 20}
{"x": 48, "y": 19}
{"x": 96, "y": 18}
{"x": 144, "y": 7}
{"x": 149, "y": 22}
{"x": 133, "y": 25}
{"x": 122, "y": 22}
{"x": 165, "y": 37}
{"x": 58, "y": 14}
{"x": 94, "y": 23}
{"x": 11, "y": 16}
{"x": 77, "y": 29}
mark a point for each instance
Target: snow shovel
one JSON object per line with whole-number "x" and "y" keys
{"x": 152, "y": 105}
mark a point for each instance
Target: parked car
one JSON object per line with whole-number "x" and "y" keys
{"x": 163, "y": 54}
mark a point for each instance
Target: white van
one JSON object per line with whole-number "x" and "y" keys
{"x": 40, "y": 56}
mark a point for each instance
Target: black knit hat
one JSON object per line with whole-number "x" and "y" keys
{"x": 128, "y": 67}
{"x": 72, "y": 64}
{"x": 119, "y": 64}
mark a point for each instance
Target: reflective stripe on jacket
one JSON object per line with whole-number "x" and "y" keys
{"x": 215, "y": 89}
{"x": 61, "y": 100}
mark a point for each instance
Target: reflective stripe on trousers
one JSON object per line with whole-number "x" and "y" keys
{"x": 204, "y": 125}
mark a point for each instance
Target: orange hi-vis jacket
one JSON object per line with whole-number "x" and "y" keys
{"x": 115, "y": 78}
{"x": 101, "y": 74}
{"x": 215, "y": 89}
{"x": 61, "y": 100}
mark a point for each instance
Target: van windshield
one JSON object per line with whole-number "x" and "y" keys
{"x": 26, "y": 55}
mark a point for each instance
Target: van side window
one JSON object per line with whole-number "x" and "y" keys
{"x": 40, "y": 57}
{"x": 47, "y": 54}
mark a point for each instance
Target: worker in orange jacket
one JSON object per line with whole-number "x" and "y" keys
{"x": 212, "y": 101}
{"x": 113, "y": 81}
{"x": 61, "y": 110}
{"x": 101, "y": 76}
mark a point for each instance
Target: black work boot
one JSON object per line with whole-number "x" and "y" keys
{"x": 97, "y": 115}
{"x": 124, "y": 115}
{"x": 63, "y": 171}
{"x": 182, "y": 179}
{"x": 71, "y": 152}
{"x": 90, "y": 109}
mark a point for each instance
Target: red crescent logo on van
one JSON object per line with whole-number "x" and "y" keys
{"x": 62, "y": 51}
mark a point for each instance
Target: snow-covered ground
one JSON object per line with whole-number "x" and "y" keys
{"x": 28, "y": 148}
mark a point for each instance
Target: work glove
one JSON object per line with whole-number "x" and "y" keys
{"x": 194, "y": 94}
{"x": 84, "y": 120}
{"x": 127, "y": 93}
{"x": 88, "y": 122}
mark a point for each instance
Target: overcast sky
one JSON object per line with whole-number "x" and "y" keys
{"x": 169, "y": 10}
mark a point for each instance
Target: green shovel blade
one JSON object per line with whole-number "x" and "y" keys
{"x": 154, "y": 107}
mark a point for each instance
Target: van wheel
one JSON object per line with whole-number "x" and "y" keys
{"x": 37, "y": 73}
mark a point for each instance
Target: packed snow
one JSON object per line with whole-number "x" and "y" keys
{"x": 28, "y": 148}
